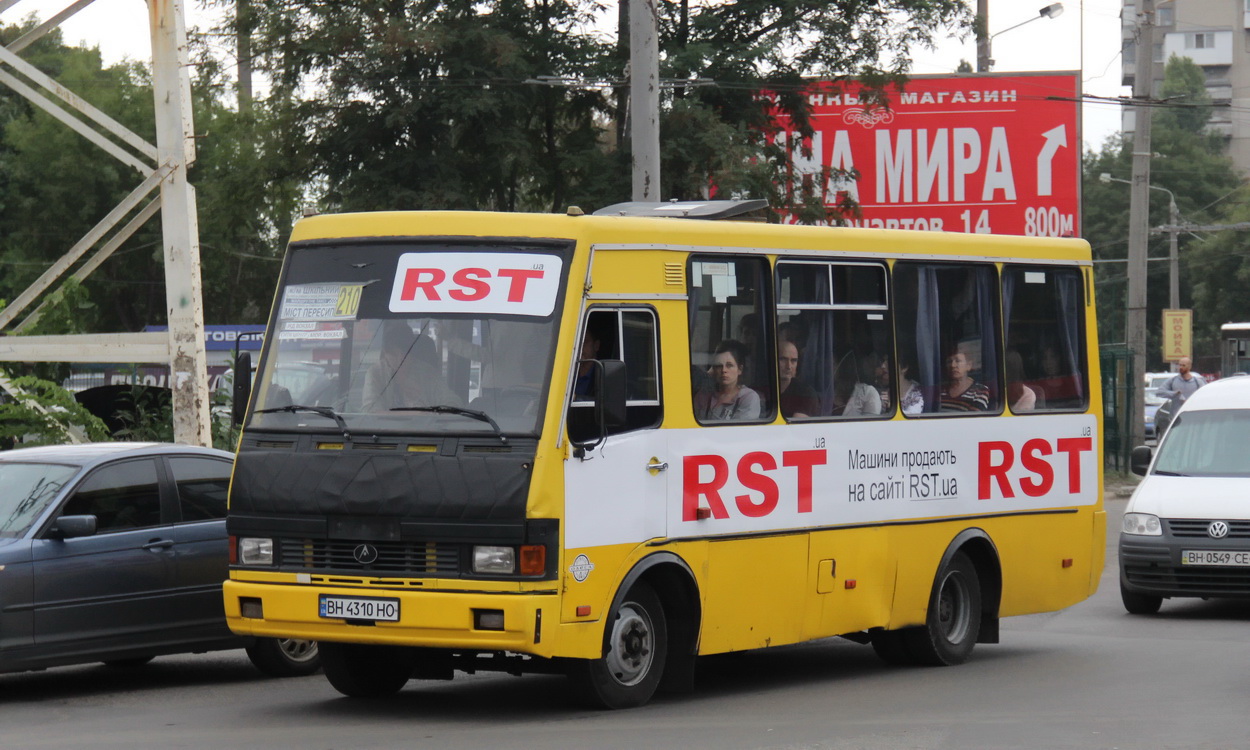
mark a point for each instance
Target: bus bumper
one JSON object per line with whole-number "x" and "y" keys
{"x": 428, "y": 618}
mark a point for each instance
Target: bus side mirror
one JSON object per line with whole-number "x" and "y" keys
{"x": 1139, "y": 461}
{"x": 612, "y": 393}
{"x": 242, "y": 388}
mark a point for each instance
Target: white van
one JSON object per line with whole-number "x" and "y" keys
{"x": 1186, "y": 530}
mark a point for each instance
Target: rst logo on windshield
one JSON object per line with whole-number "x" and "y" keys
{"x": 499, "y": 283}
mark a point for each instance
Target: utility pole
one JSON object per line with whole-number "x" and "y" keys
{"x": 983, "y": 36}
{"x": 1139, "y": 220}
{"x": 644, "y": 99}
{"x": 243, "y": 51}
{"x": 184, "y": 297}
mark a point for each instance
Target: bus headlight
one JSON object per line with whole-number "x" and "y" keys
{"x": 494, "y": 560}
{"x": 255, "y": 551}
{"x": 1142, "y": 524}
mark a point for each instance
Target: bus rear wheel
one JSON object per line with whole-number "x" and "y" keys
{"x": 954, "y": 619}
{"x": 360, "y": 671}
{"x": 635, "y": 651}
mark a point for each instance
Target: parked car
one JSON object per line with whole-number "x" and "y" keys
{"x": 116, "y": 552}
{"x": 1186, "y": 529}
{"x": 1153, "y": 402}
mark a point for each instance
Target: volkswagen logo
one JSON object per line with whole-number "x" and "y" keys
{"x": 1217, "y": 530}
{"x": 367, "y": 553}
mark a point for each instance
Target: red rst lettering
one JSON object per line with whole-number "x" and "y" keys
{"x": 693, "y": 489}
{"x": 753, "y": 480}
{"x": 473, "y": 288}
{"x": 987, "y": 469}
{"x": 1074, "y": 447}
{"x": 804, "y": 461}
{"x": 413, "y": 282}
{"x": 519, "y": 276}
{"x": 1030, "y": 459}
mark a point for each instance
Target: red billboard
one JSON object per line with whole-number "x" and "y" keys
{"x": 988, "y": 153}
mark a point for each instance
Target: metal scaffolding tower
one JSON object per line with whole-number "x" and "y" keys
{"x": 164, "y": 167}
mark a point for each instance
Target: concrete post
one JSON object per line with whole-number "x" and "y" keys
{"x": 171, "y": 86}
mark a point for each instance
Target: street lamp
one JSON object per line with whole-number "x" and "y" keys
{"x": 984, "y": 58}
{"x": 1174, "y": 284}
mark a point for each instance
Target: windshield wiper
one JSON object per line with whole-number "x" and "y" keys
{"x": 481, "y": 416}
{"x": 1163, "y": 473}
{"x": 324, "y": 411}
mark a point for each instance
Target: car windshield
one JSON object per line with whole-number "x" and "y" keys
{"x": 1153, "y": 398}
{"x": 367, "y": 336}
{"x": 25, "y": 491}
{"x": 1206, "y": 444}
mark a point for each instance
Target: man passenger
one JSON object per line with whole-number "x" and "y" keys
{"x": 798, "y": 399}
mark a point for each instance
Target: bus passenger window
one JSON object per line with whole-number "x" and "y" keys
{"x": 731, "y": 350}
{"x": 948, "y": 332}
{"x": 1043, "y": 308}
{"x": 834, "y": 343}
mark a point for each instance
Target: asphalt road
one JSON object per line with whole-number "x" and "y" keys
{"x": 1091, "y": 676}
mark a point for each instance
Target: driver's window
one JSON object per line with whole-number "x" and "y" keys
{"x": 629, "y": 335}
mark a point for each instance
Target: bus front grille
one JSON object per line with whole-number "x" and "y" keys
{"x": 369, "y": 558}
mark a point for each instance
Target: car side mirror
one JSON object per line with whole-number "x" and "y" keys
{"x": 242, "y": 388}
{"x": 1139, "y": 460}
{"x": 68, "y": 527}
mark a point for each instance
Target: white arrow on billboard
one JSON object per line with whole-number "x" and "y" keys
{"x": 1055, "y": 138}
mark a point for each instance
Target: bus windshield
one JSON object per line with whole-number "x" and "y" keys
{"x": 406, "y": 338}
{"x": 1206, "y": 444}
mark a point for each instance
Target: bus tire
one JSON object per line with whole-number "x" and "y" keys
{"x": 891, "y": 647}
{"x": 1139, "y": 604}
{"x": 635, "y": 650}
{"x": 954, "y": 619}
{"x": 284, "y": 657}
{"x": 360, "y": 671}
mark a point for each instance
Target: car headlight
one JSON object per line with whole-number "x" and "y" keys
{"x": 1143, "y": 524}
{"x": 490, "y": 559}
{"x": 255, "y": 551}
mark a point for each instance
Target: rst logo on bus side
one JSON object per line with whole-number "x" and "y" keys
{"x": 1035, "y": 472}
{"x": 482, "y": 283}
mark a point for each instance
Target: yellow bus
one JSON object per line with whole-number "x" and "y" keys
{"x": 607, "y": 444}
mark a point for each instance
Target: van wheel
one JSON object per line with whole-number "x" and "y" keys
{"x": 359, "y": 671}
{"x": 954, "y": 620}
{"x": 1139, "y": 604}
{"x": 635, "y": 651}
{"x": 284, "y": 657}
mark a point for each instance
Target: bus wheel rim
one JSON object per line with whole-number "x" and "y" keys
{"x": 954, "y": 615}
{"x": 632, "y": 648}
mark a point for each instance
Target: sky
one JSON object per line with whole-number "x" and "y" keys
{"x": 120, "y": 29}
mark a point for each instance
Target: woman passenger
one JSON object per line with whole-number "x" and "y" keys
{"x": 728, "y": 398}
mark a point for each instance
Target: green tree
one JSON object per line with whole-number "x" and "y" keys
{"x": 434, "y": 104}
{"x": 1189, "y": 162}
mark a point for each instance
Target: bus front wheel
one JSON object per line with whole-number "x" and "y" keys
{"x": 954, "y": 619}
{"x": 634, "y": 653}
{"x": 359, "y": 671}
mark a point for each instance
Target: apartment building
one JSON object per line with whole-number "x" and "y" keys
{"x": 1215, "y": 34}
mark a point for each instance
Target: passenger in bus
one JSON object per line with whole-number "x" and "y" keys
{"x": 798, "y": 399}
{"x": 1059, "y": 388}
{"x": 406, "y": 373}
{"x": 912, "y": 400}
{"x": 1020, "y": 396}
{"x": 728, "y": 398}
{"x": 961, "y": 392}
{"x": 585, "y": 383}
{"x": 854, "y": 395}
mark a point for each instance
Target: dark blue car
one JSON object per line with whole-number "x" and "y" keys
{"x": 116, "y": 552}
